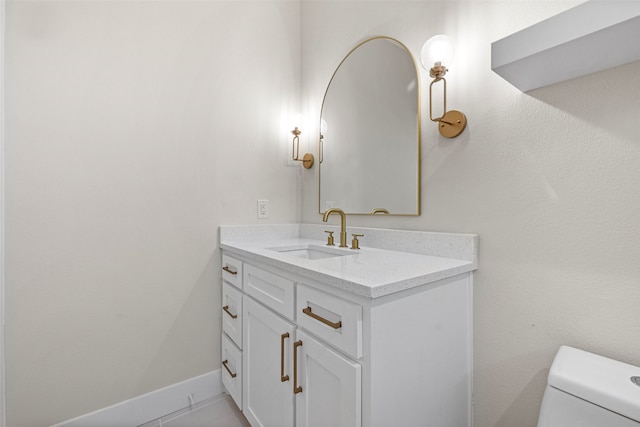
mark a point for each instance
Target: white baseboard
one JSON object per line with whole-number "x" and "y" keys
{"x": 152, "y": 405}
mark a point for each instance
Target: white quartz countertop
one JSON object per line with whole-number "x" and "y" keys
{"x": 371, "y": 272}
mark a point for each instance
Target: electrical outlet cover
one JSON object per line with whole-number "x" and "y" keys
{"x": 263, "y": 209}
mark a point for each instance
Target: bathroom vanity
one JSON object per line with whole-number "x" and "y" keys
{"x": 328, "y": 336}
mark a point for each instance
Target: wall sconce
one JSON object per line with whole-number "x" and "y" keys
{"x": 437, "y": 51}
{"x": 307, "y": 159}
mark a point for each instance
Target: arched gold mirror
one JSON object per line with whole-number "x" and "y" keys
{"x": 370, "y": 132}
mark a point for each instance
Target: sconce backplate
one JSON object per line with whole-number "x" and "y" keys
{"x": 307, "y": 161}
{"x": 452, "y": 124}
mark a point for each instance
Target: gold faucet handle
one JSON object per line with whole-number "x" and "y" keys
{"x": 330, "y": 238}
{"x": 355, "y": 244}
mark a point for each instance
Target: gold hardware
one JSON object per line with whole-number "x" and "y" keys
{"x": 444, "y": 101}
{"x": 334, "y": 325}
{"x": 343, "y": 224}
{"x": 379, "y": 210}
{"x": 283, "y": 377}
{"x": 438, "y": 70}
{"x": 228, "y": 270}
{"x": 451, "y": 123}
{"x": 225, "y": 364}
{"x": 296, "y": 388}
{"x": 307, "y": 159}
{"x": 226, "y": 308}
{"x": 330, "y": 238}
{"x": 437, "y": 50}
{"x": 355, "y": 244}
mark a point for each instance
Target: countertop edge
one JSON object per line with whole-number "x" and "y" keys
{"x": 352, "y": 286}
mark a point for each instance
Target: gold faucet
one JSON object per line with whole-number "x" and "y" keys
{"x": 343, "y": 224}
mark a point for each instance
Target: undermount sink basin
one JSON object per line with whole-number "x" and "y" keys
{"x": 311, "y": 251}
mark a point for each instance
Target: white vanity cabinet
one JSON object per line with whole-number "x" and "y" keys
{"x": 313, "y": 354}
{"x": 291, "y": 378}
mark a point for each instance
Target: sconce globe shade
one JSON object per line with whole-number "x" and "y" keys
{"x": 437, "y": 49}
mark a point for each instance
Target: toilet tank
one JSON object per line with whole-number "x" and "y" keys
{"x": 587, "y": 390}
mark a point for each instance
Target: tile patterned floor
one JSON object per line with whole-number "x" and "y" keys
{"x": 219, "y": 411}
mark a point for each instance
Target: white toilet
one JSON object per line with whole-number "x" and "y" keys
{"x": 587, "y": 390}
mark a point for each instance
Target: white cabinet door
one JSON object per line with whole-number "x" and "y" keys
{"x": 267, "y": 350}
{"x": 331, "y": 386}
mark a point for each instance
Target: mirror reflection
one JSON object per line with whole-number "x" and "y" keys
{"x": 370, "y": 132}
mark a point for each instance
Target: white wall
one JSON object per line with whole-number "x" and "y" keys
{"x": 548, "y": 179}
{"x": 133, "y": 130}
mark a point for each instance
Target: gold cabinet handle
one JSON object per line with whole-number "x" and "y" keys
{"x": 334, "y": 325}
{"x": 228, "y": 270}
{"x": 296, "y": 388}
{"x": 225, "y": 363}
{"x": 226, "y": 308}
{"x": 283, "y": 377}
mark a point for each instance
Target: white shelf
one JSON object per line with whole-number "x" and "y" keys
{"x": 593, "y": 36}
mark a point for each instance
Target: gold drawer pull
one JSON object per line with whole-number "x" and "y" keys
{"x": 228, "y": 270}
{"x": 225, "y": 364}
{"x": 296, "y": 388}
{"x": 226, "y": 308}
{"x": 334, "y": 325}
{"x": 283, "y": 377}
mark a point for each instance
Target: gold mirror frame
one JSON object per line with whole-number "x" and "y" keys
{"x": 381, "y": 171}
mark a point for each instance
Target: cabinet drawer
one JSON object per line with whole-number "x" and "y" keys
{"x": 232, "y": 313}
{"x": 272, "y": 290}
{"x": 231, "y": 371}
{"x": 232, "y": 270}
{"x": 337, "y": 321}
